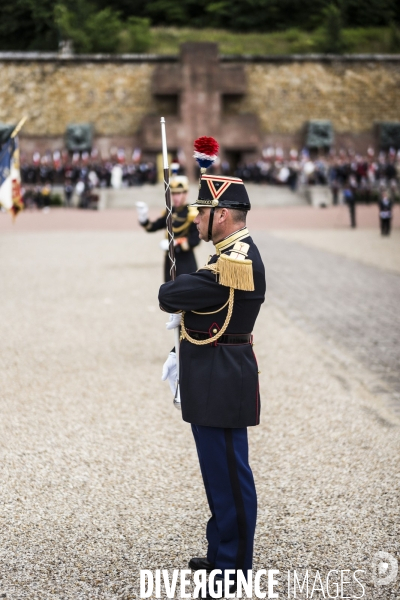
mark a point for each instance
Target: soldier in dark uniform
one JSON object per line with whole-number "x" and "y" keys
{"x": 385, "y": 212}
{"x": 185, "y": 231}
{"x": 218, "y": 369}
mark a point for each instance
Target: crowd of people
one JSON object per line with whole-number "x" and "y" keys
{"x": 366, "y": 175}
{"x": 81, "y": 174}
{"x": 101, "y": 173}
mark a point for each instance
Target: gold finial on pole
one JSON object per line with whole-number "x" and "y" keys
{"x": 18, "y": 127}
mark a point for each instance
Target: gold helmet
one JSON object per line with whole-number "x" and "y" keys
{"x": 179, "y": 183}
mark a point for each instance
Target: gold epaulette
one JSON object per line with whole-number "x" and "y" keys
{"x": 233, "y": 269}
{"x": 235, "y": 273}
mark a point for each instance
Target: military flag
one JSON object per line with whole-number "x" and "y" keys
{"x": 10, "y": 177}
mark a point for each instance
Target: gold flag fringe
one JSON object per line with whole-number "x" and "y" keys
{"x": 234, "y": 273}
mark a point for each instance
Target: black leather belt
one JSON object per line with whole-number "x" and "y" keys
{"x": 226, "y": 338}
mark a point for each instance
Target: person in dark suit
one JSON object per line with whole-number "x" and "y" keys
{"x": 385, "y": 212}
{"x": 185, "y": 231}
{"x": 68, "y": 191}
{"x": 350, "y": 200}
{"x": 219, "y": 385}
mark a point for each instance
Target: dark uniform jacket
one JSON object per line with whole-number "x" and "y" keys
{"x": 185, "y": 230}
{"x": 218, "y": 382}
{"x": 385, "y": 208}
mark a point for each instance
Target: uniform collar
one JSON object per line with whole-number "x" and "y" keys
{"x": 231, "y": 239}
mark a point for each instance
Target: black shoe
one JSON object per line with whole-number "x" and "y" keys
{"x": 197, "y": 564}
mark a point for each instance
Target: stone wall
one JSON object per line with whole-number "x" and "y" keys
{"x": 351, "y": 94}
{"x": 116, "y": 94}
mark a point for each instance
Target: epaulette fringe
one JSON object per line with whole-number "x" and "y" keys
{"x": 235, "y": 273}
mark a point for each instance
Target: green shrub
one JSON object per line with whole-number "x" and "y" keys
{"x": 394, "y": 38}
{"x": 366, "y": 40}
{"x": 103, "y": 31}
{"x": 166, "y": 40}
{"x": 293, "y": 35}
{"x": 54, "y": 200}
{"x": 331, "y": 34}
{"x": 69, "y": 25}
{"x": 136, "y": 37}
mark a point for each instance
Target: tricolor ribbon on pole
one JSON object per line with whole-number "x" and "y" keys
{"x": 171, "y": 247}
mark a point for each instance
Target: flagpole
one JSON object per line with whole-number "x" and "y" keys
{"x": 18, "y": 127}
{"x": 171, "y": 248}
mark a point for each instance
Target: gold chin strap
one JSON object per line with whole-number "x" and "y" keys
{"x": 186, "y": 336}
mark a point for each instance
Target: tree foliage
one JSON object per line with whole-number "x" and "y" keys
{"x": 394, "y": 41}
{"x": 93, "y": 30}
{"x": 369, "y": 12}
{"x": 332, "y": 30}
{"x": 123, "y": 25}
{"x": 258, "y": 15}
{"x": 28, "y": 25}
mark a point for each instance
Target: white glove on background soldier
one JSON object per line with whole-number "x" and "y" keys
{"x": 164, "y": 245}
{"x": 169, "y": 372}
{"x": 142, "y": 212}
{"x": 174, "y": 321}
{"x": 182, "y": 242}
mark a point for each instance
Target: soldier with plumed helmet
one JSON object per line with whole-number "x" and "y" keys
{"x": 186, "y": 236}
{"x": 218, "y": 372}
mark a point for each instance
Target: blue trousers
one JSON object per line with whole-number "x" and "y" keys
{"x": 231, "y": 494}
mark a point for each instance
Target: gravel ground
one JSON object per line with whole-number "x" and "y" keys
{"x": 99, "y": 473}
{"x": 265, "y": 219}
{"x": 350, "y": 305}
{"x": 364, "y": 245}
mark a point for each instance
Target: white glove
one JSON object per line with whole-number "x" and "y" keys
{"x": 170, "y": 372}
{"x": 174, "y": 321}
{"x": 142, "y": 211}
{"x": 164, "y": 245}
